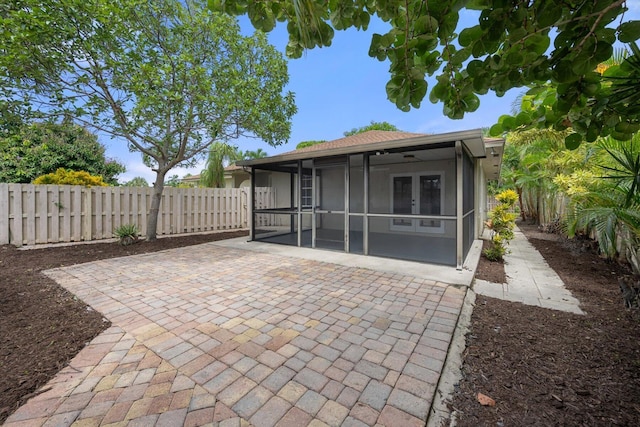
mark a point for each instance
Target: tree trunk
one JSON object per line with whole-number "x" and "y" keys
{"x": 521, "y": 203}
{"x": 156, "y": 198}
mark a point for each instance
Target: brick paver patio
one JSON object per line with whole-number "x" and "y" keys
{"x": 205, "y": 335}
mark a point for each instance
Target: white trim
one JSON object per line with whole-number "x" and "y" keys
{"x": 415, "y": 189}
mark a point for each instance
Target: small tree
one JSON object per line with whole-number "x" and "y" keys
{"x": 169, "y": 77}
{"x": 501, "y": 222}
{"x": 68, "y": 177}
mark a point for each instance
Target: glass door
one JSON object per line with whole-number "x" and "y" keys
{"x": 403, "y": 202}
{"x": 330, "y": 212}
{"x": 417, "y": 194}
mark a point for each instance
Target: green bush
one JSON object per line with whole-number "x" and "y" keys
{"x": 501, "y": 222}
{"x": 69, "y": 177}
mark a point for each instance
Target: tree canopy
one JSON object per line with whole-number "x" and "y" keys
{"x": 137, "y": 181}
{"x": 41, "y": 148}
{"x": 372, "y": 126}
{"x": 305, "y": 144}
{"x": 514, "y": 44}
{"x": 168, "y": 77}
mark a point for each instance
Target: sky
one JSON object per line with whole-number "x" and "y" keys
{"x": 339, "y": 88}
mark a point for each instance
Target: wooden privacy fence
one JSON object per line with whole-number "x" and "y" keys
{"x": 32, "y": 214}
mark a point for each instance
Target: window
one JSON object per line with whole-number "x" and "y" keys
{"x": 307, "y": 191}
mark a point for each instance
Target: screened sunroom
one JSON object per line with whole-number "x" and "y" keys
{"x": 388, "y": 194}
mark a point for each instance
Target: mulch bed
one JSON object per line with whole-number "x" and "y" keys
{"x": 42, "y": 326}
{"x": 550, "y": 368}
{"x": 491, "y": 271}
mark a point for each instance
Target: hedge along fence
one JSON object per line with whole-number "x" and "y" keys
{"x": 33, "y": 214}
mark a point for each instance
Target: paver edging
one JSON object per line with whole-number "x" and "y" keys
{"x": 452, "y": 370}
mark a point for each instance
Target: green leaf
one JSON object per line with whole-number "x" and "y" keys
{"x": 563, "y": 72}
{"x": 573, "y": 141}
{"x": 517, "y": 34}
{"x": 374, "y": 47}
{"x": 607, "y": 35}
{"x": 508, "y": 123}
{"x": 426, "y": 42}
{"x": 481, "y": 83}
{"x": 426, "y": 24}
{"x": 548, "y": 13}
{"x": 629, "y": 31}
{"x": 523, "y": 118}
{"x": 514, "y": 57}
{"x": 438, "y": 92}
{"x": 471, "y": 102}
{"x": 418, "y": 91}
{"x": 538, "y": 43}
{"x": 469, "y": 35}
{"x": 448, "y": 25}
{"x": 496, "y": 130}
{"x": 592, "y": 133}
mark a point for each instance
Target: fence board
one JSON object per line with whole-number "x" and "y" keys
{"x": 65, "y": 205}
{"x": 17, "y": 216}
{"x": 43, "y": 212}
{"x": 55, "y": 213}
{"x": 4, "y": 214}
{"x": 230, "y": 208}
{"x": 31, "y": 214}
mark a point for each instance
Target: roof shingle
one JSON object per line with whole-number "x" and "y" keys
{"x": 363, "y": 138}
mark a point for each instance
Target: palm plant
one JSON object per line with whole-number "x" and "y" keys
{"x": 611, "y": 208}
{"x": 220, "y": 154}
{"x": 531, "y": 160}
{"x": 255, "y": 154}
{"x": 624, "y": 94}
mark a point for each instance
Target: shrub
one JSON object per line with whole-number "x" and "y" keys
{"x": 127, "y": 233}
{"x": 501, "y": 222}
{"x": 69, "y": 177}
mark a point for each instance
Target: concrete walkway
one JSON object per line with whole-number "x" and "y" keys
{"x": 215, "y": 335}
{"x": 530, "y": 280}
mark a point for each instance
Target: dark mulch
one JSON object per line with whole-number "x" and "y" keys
{"x": 42, "y": 326}
{"x": 491, "y": 271}
{"x": 550, "y": 368}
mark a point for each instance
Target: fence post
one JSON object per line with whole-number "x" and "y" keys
{"x": 248, "y": 210}
{"x": 4, "y": 214}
